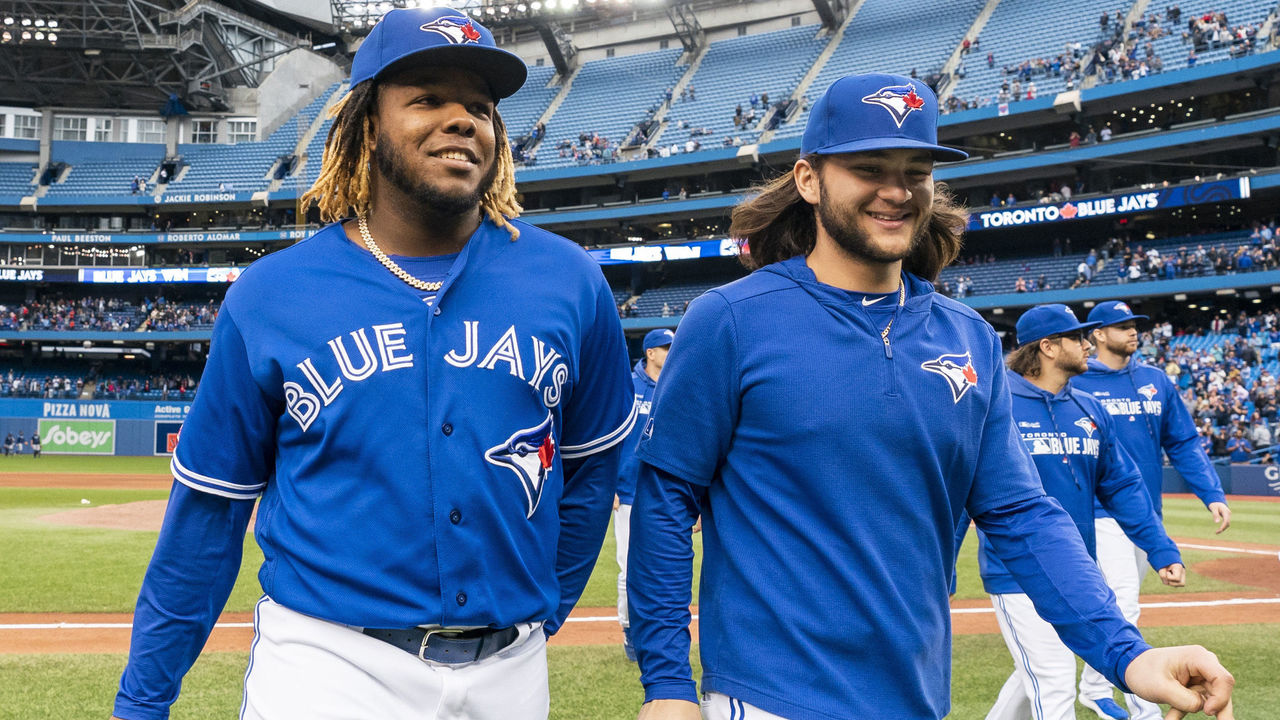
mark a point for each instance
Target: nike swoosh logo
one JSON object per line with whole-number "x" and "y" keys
{"x": 869, "y": 301}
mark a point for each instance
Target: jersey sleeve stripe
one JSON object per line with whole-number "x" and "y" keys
{"x": 196, "y": 481}
{"x": 250, "y": 495}
{"x": 605, "y": 442}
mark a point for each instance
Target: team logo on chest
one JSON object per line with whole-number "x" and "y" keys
{"x": 1148, "y": 391}
{"x": 957, "y": 369}
{"x": 530, "y": 454}
{"x": 1087, "y": 425}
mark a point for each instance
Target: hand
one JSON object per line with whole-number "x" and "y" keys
{"x": 697, "y": 525}
{"x": 616, "y": 502}
{"x": 672, "y": 710}
{"x": 1188, "y": 678}
{"x": 1174, "y": 575}
{"x": 1221, "y": 516}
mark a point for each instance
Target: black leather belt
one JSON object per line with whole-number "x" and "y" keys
{"x": 447, "y": 646}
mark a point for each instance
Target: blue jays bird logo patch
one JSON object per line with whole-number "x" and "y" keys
{"x": 899, "y": 100}
{"x": 530, "y": 454}
{"x": 1087, "y": 425}
{"x": 1148, "y": 391}
{"x": 958, "y": 371}
{"x": 457, "y": 30}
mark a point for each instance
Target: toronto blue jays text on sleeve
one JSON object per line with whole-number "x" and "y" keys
{"x": 1150, "y": 418}
{"x": 417, "y": 464}
{"x": 835, "y": 470}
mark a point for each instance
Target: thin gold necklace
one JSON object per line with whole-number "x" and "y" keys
{"x": 902, "y": 300}
{"x": 391, "y": 265}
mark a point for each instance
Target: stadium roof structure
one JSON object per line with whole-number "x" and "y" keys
{"x": 135, "y": 53}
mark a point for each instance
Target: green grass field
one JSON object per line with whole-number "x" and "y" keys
{"x": 48, "y": 568}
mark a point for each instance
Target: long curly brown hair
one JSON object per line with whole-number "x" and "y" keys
{"x": 777, "y": 223}
{"x": 342, "y": 189}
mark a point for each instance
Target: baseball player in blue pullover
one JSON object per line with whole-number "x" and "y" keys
{"x": 833, "y": 417}
{"x": 1150, "y": 418}
{"x": 1072, "y": 441}
{"x": 644, "y": 377}
{"x": 429, "y": 399}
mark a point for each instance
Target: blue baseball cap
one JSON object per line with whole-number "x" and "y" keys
{"x": 438, "y": 36}
{"x": 661, "y": 337}
{"x": 1044, "y": 321}
{"x": 1113, "y": 312}
{"x": 875, "y": 112}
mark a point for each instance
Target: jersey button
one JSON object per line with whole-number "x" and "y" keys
{"x": 447, "y": 429}
{"x": 462, "y": 598}
{"x": 437, "y": 310}
{"x": 455, "y": 516}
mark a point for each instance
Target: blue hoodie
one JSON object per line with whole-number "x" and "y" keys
{"x": 832, "y": 473}
{"x": 1149, "y": 416}
{"x": 1072, "y": 441}
{"x": 630, "y": 464}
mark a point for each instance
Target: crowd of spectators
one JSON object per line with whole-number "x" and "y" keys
{"x": 161, "y": 386}
{"x": 62, "y": 314}
{"x": 39, "y": 386}
{"x": 163, "y": 315}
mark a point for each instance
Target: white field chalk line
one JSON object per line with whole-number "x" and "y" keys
{"x": 1228, "y": 549}
{"x": 614, "y": 619}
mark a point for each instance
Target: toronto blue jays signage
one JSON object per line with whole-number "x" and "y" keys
{"x": 1155, "y": 199}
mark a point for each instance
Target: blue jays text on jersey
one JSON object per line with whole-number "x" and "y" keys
{"x": 1079, "y": 461}
{"x": 485, "y": 400}
{"x": 1151, "y": 421}
{"x": 831, "y": 471}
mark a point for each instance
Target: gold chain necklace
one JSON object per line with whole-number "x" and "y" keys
{"x": 391, "y": 265}
{"x": 902, "y": 300}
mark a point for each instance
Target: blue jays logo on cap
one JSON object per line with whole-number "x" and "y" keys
{"x": 530, "y": 454}
{"x": 1123, "y": 307}
{"x": 957, "y": 369}
{"x": 1089, "y": 426}
{"x": 899, "y": 100}
{"x": 457, "y": 30}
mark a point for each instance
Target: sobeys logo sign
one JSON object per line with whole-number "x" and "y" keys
{"x": 82, "y": 437}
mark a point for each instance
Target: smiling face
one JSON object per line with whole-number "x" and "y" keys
{"x": 434, "y": 138}
{"x": 875, "y": 205}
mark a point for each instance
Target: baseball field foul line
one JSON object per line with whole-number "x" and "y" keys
{"x": 610, "y": 618}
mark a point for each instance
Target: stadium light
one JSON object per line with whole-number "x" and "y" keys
{"x": 6, "y": 36}
{"x": 8, "y": 21}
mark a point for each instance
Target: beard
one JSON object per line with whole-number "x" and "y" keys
{"x": 1120, "y": 348}
{"x": 841, "y": 224}
{"x": 442, "y": 203}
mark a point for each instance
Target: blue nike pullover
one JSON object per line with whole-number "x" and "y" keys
{"x": 630, "y": 465}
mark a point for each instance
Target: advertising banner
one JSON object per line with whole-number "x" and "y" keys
{"x": 78, "y": 437}
{"x": 1154, "y": 199}
{"x": 167, "y": 437}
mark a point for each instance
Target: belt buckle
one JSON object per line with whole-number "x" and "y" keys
{"x": 426, "y": 636}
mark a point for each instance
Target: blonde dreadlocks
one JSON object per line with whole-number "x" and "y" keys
{"x": 342, "y": 189}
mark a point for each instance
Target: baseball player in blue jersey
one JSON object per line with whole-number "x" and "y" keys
{"x": 429, "y": 398}
{"x": 833, "y": 417}
{"x": 644, "y": 378}
{"x": 1072, "y": 441}
{"x": 1150, "y": 419}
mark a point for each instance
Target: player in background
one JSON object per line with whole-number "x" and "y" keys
{"x": 20, "y": 444}
{"x": 1150, "y": 418}
{"x": 644, "y": 377}
{"x": 804, "y": 409}
{"x": 8, "y": 444}
{"x": 35, "y": 444}
{"x": 1077, "y": 456}
{"x": 428, "y": 396}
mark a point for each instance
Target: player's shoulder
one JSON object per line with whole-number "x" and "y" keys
{"x": 957, "y": 312}
{"x": 549, "y": 246}
{"x": 760, "y": 283}
{"x": 268, "y": 275}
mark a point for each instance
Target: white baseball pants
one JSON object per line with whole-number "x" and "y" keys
{"x": 622, "y": 536}
{"x": 303, "y": 667}
{"x": 1124, "y": 566}
{"x": 717, "y": 706}
{"x": 1042, "y": 686}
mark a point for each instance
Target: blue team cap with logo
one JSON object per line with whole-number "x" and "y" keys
{"x": 1113, "y": 312}
{"x": 1044, "y": 321}
{"x": 408, "y": 37}
{"x": 659, "y": 338}
{"x": 875, "y": 111}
